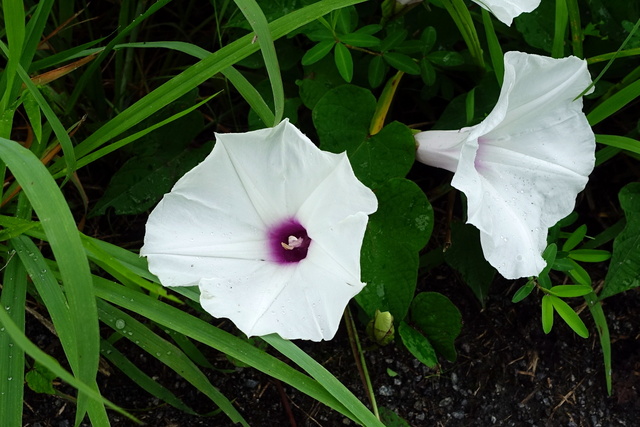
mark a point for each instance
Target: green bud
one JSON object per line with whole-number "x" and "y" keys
{"x": 380, "y": 329}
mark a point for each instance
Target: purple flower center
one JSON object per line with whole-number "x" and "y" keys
{"x": 288, "y": 242}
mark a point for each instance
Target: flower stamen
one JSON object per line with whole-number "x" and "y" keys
{"x": 292, "y": 243}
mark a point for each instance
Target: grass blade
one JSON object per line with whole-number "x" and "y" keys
{"x": 200, "y": 72}
{"x": 609, "y": 106}
{"x": 324, "y": 377}
{"x": 11, "y": 354}
{"x": 242, "y": 85}
{"x": 495, "y": 50}
{"x": 218, "y": 339}
{"x": 167, "y": 353}
{"x": 60, "y": 228}
{"x": 260, "y": 26}
{"x": 51, "y": 364}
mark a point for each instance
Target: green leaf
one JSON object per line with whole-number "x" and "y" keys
{"x": 388, "y": 154}
{"x": 418, "y": 345}
{"x": 427, "y": 72}
{"x": 466, "y": 256}
{"x": 199, "y": 330}
{"x": 40, "y": 379}
{"x": 569, "y": 316}
{"x": 168, "y": 354}
{"x": 575, "y": 238}
{"x": 401, "y": 226}
{"x": 624, "y": 268}
{"x": 428, "y": 39}
{"x": 590, "y": 255}
{"x": 318, "y": 52}
{"x": 12, "y": 355}
{"x": 614, "y": 103}
{"x": 617, "y": 141}
{"x": 251, "y": 10}
{"x": 391, "y": 419}
{"x": 402, "y": 62}
{"x": 439, "y": 320}
{"x": 547, "y": 314}
{"x": 60, "y": 227}
{"x": 446, "y": 58}
{"x": 359, "y": 40}
{"x": 344, "y": 61}
{"x": 394, "y": 38}
{"x": 495, "y": 49}
{"x": 319, "y": 78}
{"x": 595, "y": 308}
{"x": 377, "y": 71}
{"x": 144, "y": 179}
{"x": 537, "y": 27}
{"x": 549, "y": 255}
{"x": 568, "y": 291}
{"x": 523, "y": 292}
{"x": 342, "y": 118}
{"x": 204, "y": 70}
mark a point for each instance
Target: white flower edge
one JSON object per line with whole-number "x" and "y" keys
{"x": 523, "y": 166}
{"x": 506, "y": 10}
{"x": 212, "y": 230}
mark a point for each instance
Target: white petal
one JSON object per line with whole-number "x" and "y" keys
{"x": 523, "y": 174}
{"x": 213, "y": 230}
{"x": 298, "y": 300}
{"x": 339, "y": 195}
{"x": 206, "y": 216}
{"x": 506, "y": 10}
{"x": 289, "y": 170}
{"x": 441, "y": 148}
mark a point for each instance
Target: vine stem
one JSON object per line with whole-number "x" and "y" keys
{"x": 361, "y": 364}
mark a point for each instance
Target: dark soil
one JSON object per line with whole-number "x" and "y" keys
{"x": 508, "y": 373}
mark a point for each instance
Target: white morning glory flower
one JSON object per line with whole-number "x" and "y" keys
{"x": 522, "y": 167}
{"x": 270, "y": 228}
{"x": 506, "y": 10}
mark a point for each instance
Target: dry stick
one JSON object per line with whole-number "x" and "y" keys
{"x": 285, "y": 402}
{"x": 361, "y": 364}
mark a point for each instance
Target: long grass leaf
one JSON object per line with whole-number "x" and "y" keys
{"x": 52, "y": 118}
{"x": 609, "y": 106}
{"x": 95, "y": 64}
{"x": 324, "y": 377}
{"x": 13, "y": 12}
{"x": 51, "y": 364}
{"x": 60, "y": 228}
{"x": 34, "y": 29}
{"x": 11, "y": 355}
{"x": 140, "y": 378}
{"x": 595, "y": 307}
{"x": 260, "y": 26}
{"x": 618, "y": 141}
{"x": 560, "y": 29}
{"x": 167, "y": 353}
{"x": 200, "y": 72}
{"x": 242, "y": 85}
{"x": 495, "y": 50}
{"x": 218, "y": 339}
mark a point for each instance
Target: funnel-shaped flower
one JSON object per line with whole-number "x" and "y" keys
{"x": 270, "y": 227}
{"x": 506, "y": 10}
{"x": 522, "y": 167}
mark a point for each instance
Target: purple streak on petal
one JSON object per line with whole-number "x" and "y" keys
{"x": 279, "y": 235}
{"x": 478, "y": 160}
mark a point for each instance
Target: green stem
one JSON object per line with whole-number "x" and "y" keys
{"x": 358, "y": 354}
